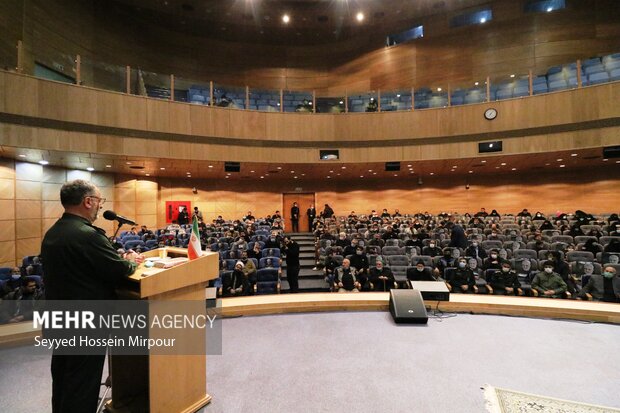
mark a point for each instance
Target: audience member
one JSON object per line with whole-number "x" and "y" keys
{"x": 381, "y": 278}
{"x": 420, "y": 273}
{"x": 236, "y": 283}
{"x": 604, "y": 287}
{"x": 505, "y": 281}
{"x": 20, "y": 303}
{"x": 346, "y": 278}
{"x": 462, "y": 279}
{"x": 549, "y": 283}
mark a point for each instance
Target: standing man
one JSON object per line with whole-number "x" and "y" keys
{"x": 198, "y": 214}
{"x": 183, "y": 217}
{"x": 311, "y": 212}
{"x": 291, "y": 249}
{"x": 80, "y": 264}
{"x": 295, "y": 217}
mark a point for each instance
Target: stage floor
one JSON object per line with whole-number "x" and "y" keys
{"x": 363, "y": 362}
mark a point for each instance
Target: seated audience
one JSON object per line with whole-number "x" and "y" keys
{"x": 493, "y": 262}
{"x": 20, "y": 304}
{"x": 604, "y": 287}
{"x": 359, "y": 261}
{"x": 420, "y": 273}
{"x": 462, "y": 279}
{"x": 504, "y": 282}
{"x": 236, "y": 283}
{"x": 432, "y": 250}
{"x": 548, "y": 283}
{"x": 249, "y": 270}
{"x": 474, "y": 250}
{"x": 381, "y": 278}
{"x": 345, "y": 278}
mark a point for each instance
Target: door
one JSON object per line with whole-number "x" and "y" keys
{"x": 304, "y": 200}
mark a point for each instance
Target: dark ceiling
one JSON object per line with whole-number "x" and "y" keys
{"x": 260, "y": 21}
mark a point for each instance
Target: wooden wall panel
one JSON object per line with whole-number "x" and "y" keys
{"x": 7, "y": 230}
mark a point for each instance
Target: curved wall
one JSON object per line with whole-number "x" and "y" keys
{"x": 54, "y": 31}
{"x": 49, "y": 115}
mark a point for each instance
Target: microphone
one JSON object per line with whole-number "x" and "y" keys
{"x": 112, "y": 216}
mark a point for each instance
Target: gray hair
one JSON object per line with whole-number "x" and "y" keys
{"x": 72, "y": 193}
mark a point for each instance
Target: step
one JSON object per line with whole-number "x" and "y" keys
{"x": 307, "y": 262}
{"x": 307, "y": 286}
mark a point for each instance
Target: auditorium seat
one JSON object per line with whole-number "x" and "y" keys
{"x": 558, "y": 85}
{"x": 401, "y": 260}
{"x": 599, "y": 77}
{"x": 596, "y": 68}
{"x": 270, "y": 252}
{"x": 579, "y": 256}
{"x": 133, "y": 244}
{"x": 399, "y": 272}
{"x": 525, "y": 253}
{"x": 521, "y": 91}
{"x": 5, "y": 273}
{"x": 267, "y": 281}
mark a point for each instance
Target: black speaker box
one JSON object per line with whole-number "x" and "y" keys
{"x": 232, "y": 166}
{"x": 611, "y": 152}
{"x": 392, "y": 166}
{"x": 407, "y": 307}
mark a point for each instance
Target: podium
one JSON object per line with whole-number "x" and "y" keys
{"x": 164, "y": 383}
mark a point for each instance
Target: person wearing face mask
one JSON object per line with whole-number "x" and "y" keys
{"x": 12, "y": 283}
{"x": 504, "y": 282}
{"x": 493, "y": 262}
{"x": 255, "y": 252}
{"x": 359, "y": 261}
{"x": 381, "y": 278}
{"x": 432, "y": 249}
{"x": 273, "y": 241}
{"x": 420, "y": 273}
{"x": 342, "y": 240}
{"x": 351, "y": 248}
{"x": 548, "y": 283}
{"x": 447, "y": 260}
{"x": 415, "y": 241}
{"x": 462, "y": 279}
{"x": 561, "y": 268}
{"x": 249, "y": 270}
{"x": 346, "y": 278}
{"x": 605, "y": 287}
{"x": 474, "y": 250}
{"x": 376, "y": 241}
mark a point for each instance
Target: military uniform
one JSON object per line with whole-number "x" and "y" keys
{"x": 80, "y": 264}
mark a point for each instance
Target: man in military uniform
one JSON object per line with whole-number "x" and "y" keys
{"x": 549, "y": 283}
{"x": 80, "y": 264}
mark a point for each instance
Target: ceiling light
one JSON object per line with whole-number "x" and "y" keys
{"x": 549, "y": 9}
{"x": 292, "y": 172}
{"x": 286, "y": 18}
{"x": 562, "y": 166}
{"x": 559, "y": 159}
{"x": 605, "y": 160}
{"x": 395, "y": 174}
{"x": 438, "y": 89}
{"x": 251, "y": 171}
{"x": 374, "y": 173}
{"x": 432, "y": 173}
{"x": 303, "y": 174}
{"x": 344, "y": 167}
{"x": 279, "y": 167}
{"x": 331, "y": 172}
{"x": 162, "y": 169}
{"x": 128, "y": 163}
{"x": 148, "y": 174}
{"x": 108, "y": 166}
{"x": 328, "y": 177}
{"x": 359, "y": 16}
{"x": 295, "y": 177}
{"x": 476, "y": 83}
{"x": 503, "y": 164}
{"x": 483, "y": 161}
{"x": 361, "y": 176}
{"x": 22, "y": 156}
{"x": 471, "y": 172}
{"x": 409, "y": 166}
{"x": 454, "y": 167}
{"x": 227, "y": 177}
{"x": 483, "y": 20}
{"x": 547, "y": 164}
{"x": 262, "y": 177}
{"x": 210, "y": 166}
{"x": 617, "y": 161}
{"x": 514, "y": 169}
{"x": 90, "y": 169}
{"x": 512, "y": 76}
{"x": 370, "y": 170}
{"x": 573, "y": 154}
{"x": 341, "y": 102}
{"x": 398, "y": 95}
{"x": 43, "y": 162}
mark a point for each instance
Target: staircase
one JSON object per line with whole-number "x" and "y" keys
{"x": 309, "y": 280}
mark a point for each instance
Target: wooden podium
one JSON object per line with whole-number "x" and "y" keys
{"x": 164, "y": 383}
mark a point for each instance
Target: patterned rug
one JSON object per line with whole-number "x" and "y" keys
{"x": 509, "y": 401}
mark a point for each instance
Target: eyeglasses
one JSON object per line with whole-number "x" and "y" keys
{"x": 101, "y": 200}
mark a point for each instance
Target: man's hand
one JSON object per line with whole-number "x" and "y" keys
{"x": 549, "y": 292}
{"x": 465, "y": 287}
{"x": 510, "y": 290}
{"x": 340, "y": 285}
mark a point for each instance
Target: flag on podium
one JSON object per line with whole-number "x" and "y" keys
{"x": 194, "y": 250}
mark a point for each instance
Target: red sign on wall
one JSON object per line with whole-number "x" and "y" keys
{"x": 174, "y": 207}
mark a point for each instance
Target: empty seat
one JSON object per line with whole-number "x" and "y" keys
{"x": 614, "y": 74}
{"x": 504, "y": 94}
{"x": 267, "y": 281}
{"x": 598, "y": 68}
{"x": 579, "y": 256}
{"x": 591, "y": 62}
{"x": 525, "y": 253}
{"x": 596, "y": 78}
{"x": 521, "y": 91}
{"x": 400, "y": 272}
{"x": 558, "y": 85}
{"x": 392, "y": 250}
{"x": 398, "y": 260}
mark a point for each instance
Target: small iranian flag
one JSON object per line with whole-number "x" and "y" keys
{"x": 194, "y": 250}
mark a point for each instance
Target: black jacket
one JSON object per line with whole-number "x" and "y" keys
{"x": 382, "y": 285}
{"x": 292, "y": 254}
{"x": 414, "y": 275}
{"x": 80, "y": 262}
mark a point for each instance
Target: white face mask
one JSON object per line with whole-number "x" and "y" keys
{"x": 493, "y": 256}
{"x": 420, "y": 269}
{"x": 431, "y": 245}
{"x": 548, "y": 270}
{"x": 504, "y": 269}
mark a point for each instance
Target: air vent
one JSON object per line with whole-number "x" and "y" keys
{"x": 136, "y": 167}
{"x": 273, "y": 172}
{"x": 323, "y": 19}
{"x": 591, "y": 157}
{"x": 477, "y": 166}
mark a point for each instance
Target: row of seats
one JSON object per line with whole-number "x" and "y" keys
{"x": 593, "y": 71}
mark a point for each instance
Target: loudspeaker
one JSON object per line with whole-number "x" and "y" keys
{"x": 232, "y": 166}
{"x": 611, "y": 152}
{"x": 392, "y": 166}
{"x": 407, "y": 306}
{"x": 486, "y": 147}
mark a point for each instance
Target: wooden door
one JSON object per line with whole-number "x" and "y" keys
{"x": 304, "y": 200}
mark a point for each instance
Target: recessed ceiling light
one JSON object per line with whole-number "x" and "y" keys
{"x": 559, "y": 159}
{"x": 148, "y": 174}
{"x": 328, "y": 177}
{"x": 128, "y": 163}
{"x": 286, "y": 18}
{"x": 43, "y": 162}
{"x": 90, "y": 169}
{"x": 605, "y": 160}
{"x": 503, "y": 164}
{"x": 617, "y": 161}
{"x": 331, "y": 172}
{"x": 454, "y": 166}
{"x": 514, "y": 169}
{"x": 108, "y": 166}
{"x": 262, "y": 177}
{"x": 338, "y": 174}
{"x": 295, "y": 177}
{"x": 292, "y": 172}
{"x": 210, "y": 166}
{"x": 549, "y": 9}
{"x": 227, "y": 177}
{"x": 471, "y": 172}
{"x": 432, "y": 173}
{"x": 483, "y": 20}
{"x": 370, "y": 170}
{"x": 279, "y": 167}
{"x": 573, "y": 154}
{"x": 361, "y": 176}
{"x": 409, "y": 166}
{"x": 483, "y": 161}
{"x": 395, "y": 174}
{"x": 476, "y": 83}
{"x": 374, "y": 173}
{"x": 512, "y": 75}
{"x": 344, "y": 167}
{"x": 162, "y": 169}
{"x": 359, "y": 16}
{"x": 252, "y": 172}
{"x": 22, "y": 156}
{"x": 562, "y": 166}
{"x": 497, "y": 167}
{"x": 547, "y": 164}
{"x": 189, "y": 173}
{"x": 438, "y": 89}
{"x": 303, "y": 174}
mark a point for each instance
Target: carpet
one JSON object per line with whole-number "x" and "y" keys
{"x": 500, "y": 400}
